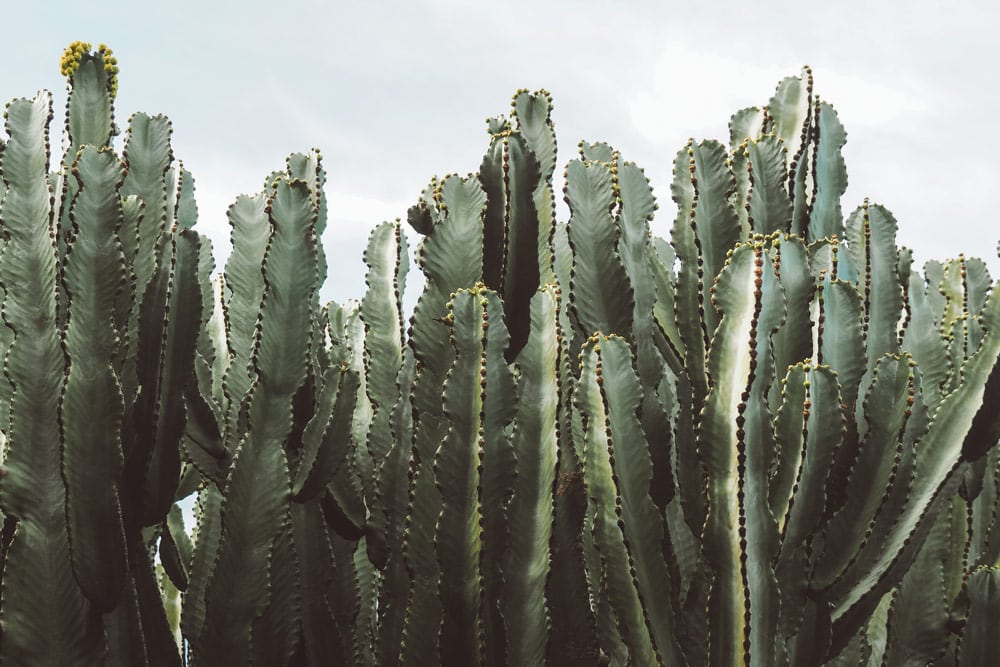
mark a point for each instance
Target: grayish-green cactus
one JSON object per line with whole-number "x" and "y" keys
{"x": 94, "y": 310}
{"x": 768, "y": 441}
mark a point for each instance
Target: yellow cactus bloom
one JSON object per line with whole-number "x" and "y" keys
{"x": 73, "y": 56}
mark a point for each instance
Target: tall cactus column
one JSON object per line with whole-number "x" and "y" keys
{"x": 258, "y": 489}
{"x": 45, "y": 615}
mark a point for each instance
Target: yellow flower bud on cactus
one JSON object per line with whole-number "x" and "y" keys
{"x": 73, "y": 56}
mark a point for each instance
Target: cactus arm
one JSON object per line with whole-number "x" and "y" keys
{"x": 424, "y": 215}
{"x": 510, "y": 174}
{"x": 45, "y": 616}
{"x": 715, "y": 221}
{"x": 382, "y": 314}
{"x": 769, "y": 206}
{"x": 326, "y": 440}
{"x": 133, "y": 210}
{"x": 790, "y": 112}
{"x": 156, "y": 637}
{"x": 458, "y": 467}
{"x": 309, "y": 167}
{"x": 980, "y": 641}
{"x": 183, "y": 205}
{"x": 89, "y": 112}
{"x": 823, "y": 432}
{"x": 205, "y": 402}
{"x": 124, "y": 630}
{"x": 617, "y": 580}
{"x": 89, "y": 120}
{"x": 924, "y": 341}
{"x": 952, "y": 317}
{"x": 344, "y": 505}
{"x": 871, "y": 233}
{"x": 244, "y": 287}
{"x": 531, "y": 515}
{"x": 978, "y": 284}
{"x": 788, "y": 344}
{"x": 668, "y": 338}
{"x": 6, "y": 336}
{"x": 598, "y": 151}
{"x": 212, "y": 347}
{"x": 320, "y": 636}
{"x": 202, "y": 445}
{"x": 759, "y": 453}
{"x": 985, "y": 430}
{"x": 705, "y": 230}
{"x": 171, "y": 600}
{"x": 451, "y": 258}
{"x": 841, "y": 335}
{"x": 689, "y": 315}
{"x": 343, "y": 594}
{"x": 574, "y": 633}
{"x": 731, "y": 364}
{"x": 499, "y": 470}
{"x": 918, "y": 617}
{"x": 360, "y": 460}
{"x": 636, "y": 211}
{"x": 208, "y": 532}
{"x": 887, "y": 407}
{"x": 148, "y": 156}
{"x": 562, "y": 267}
{"x": 277, "y": 630}
{"x": 600, "y": 293}
{"x": 690, "y": 291}
{"x": 392, "y": 490}
{"x": 789, "y": 423}
{"x": 90, "y": 103}
{"x": 937, "y": 477}
{"x": 533, "y": 113}
{"x": 745, "y": 124}
{"x": 644, "y": 525}
{"x": 804, "y": 625}
{"x": 984, "y": 545}
{"x": 829, "y": 175}
{"x": 91, "y": 405}
{"x": 176, "y": 549}
{"x": 255, "y": 510}
{"x": 169, "y": 321}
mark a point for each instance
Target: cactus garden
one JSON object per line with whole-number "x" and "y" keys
{"x": 752, "y": 434}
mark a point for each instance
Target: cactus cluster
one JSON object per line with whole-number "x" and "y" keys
{"x": 768, "y": 441}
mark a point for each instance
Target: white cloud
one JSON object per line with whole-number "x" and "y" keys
{"x": 695, "y": 92}
{"x": 355, "y": 212}
{"x": 865, "y": 103}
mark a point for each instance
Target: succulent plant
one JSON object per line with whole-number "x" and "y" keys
{"x": 768, "y": 441}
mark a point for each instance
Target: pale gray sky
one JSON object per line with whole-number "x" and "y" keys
{"x": 395, "y": 92}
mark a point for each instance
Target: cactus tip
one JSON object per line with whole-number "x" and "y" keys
{"x": 73, "y": 56}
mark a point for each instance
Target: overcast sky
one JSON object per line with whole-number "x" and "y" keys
{"x": 396, "y": 92}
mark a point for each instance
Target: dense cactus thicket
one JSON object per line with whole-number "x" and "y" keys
{"x": 766, "y": 441}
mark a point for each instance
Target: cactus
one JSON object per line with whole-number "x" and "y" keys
{"x": 93, "y": 465}
{"x": 768, "y": 441}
